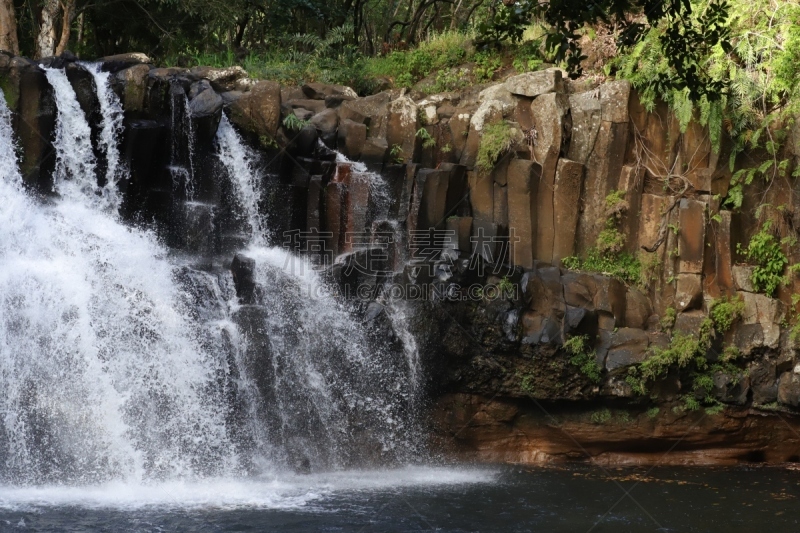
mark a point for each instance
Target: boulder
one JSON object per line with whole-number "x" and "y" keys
{"x": 320, "y": 91}
{"x": 628, "y": 347}
{"x": 763, "y": 381}
{"x": 766, "y": 312}
{"x": 326, "y": 123}
{"x": 532, "y": 84}
{"x": 203, "y": 100}
{"x": 222, "y": 79}
{"x": 731, "y": 389}
{"x": 372, "y": 110}
{"x": 742, "y": 278}
{"x": 118, "y": 62}
{"x": 789, "y": 389}
{"x": 351, "y": 138}
{"x": 134, "y": 87}
{"x": 259, "y": 111}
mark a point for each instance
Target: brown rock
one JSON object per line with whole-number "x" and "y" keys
{"x": 689, "y": 294}
{"x": 691, "y": 238}
{"x": 523, "y": 187}
{"x": 259, "y": 110}
{"x": 566, "y": 199}
{"x": 637, "y": 309}
{"x": 352, "y": 137}
{"x": 602, "y": 175}
{"x": 742, "y": 278}
{"x": 549, "y": 113}
{"x": 500, "y": 212}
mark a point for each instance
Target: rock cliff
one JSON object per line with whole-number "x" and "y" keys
{"x": 562, "y": 250}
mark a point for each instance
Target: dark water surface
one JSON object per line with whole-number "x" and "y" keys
{"x": 503, "y": 499}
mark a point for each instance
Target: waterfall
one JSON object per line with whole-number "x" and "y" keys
{"x": 182, "y": 147}
{"x": 334, "y": 394}
{"x": 111, "y": 125}
{"x": 104, "y": 370}
{"x": 239, "y": 161}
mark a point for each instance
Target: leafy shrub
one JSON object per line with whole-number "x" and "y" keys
{"x": 583, "y": 357}
{"x": 623, "y": 266}
{"x": 765, "y": 251}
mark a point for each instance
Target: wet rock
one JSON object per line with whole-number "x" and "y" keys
{"x": 134, "y": 87}
{"x": 731, "y": 389}
{"x": 243, "y": 271}
{"x": 326, "y": 123}
{"x": 533, "y": 84}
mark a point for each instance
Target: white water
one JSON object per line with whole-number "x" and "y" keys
{"x": 286, "y": 492}
{"x": 101, "y": 373}
{"x": 240, "y": 163}
{"x": 118, "y": 367}
{"x": 111, "y": 126}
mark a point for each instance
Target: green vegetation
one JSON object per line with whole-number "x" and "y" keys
{"x": 583, "y": 357}
{"x": 653, "y": 412}
{"x": 668, "y": 320}
{"x": 496, "y": 140}
{"x": 757, "y": 76}
{"x": 506, "y": 287}
{"x": 601, "y": 417}
{"x": 623, "y": 266}
{"x": 427, "y": 141}
{"x": 293, "y": 123}
{"x": 687, "y": 354}
{"x": 764, "y": 249}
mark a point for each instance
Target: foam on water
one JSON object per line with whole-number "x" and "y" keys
{"x": 286, "y": 492}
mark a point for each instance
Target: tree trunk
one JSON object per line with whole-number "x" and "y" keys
{"x": 68, "y": 15}
{"x": 46, "y": 39}
{"x": 8, "y": 27}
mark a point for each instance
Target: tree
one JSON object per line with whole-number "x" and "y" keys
{"x": 8, "y": 27}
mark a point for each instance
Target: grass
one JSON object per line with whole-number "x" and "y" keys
{"x": 496, "y": 140}
{"x": 582, "y": 356}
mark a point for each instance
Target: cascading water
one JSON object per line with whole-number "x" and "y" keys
{"x": 111, "y": 126}
{"x": 121, "y": 364}
{"x": 333, "y": 395}
{"x": 102, "y": 374}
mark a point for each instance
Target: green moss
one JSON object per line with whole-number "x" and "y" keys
{"x": 601, "y": 417}
{"x": 623, "y": 266}
{"x": 653, "y": 412}
{"x": 496, "y": 140}
{"x": 668, "y": 320}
